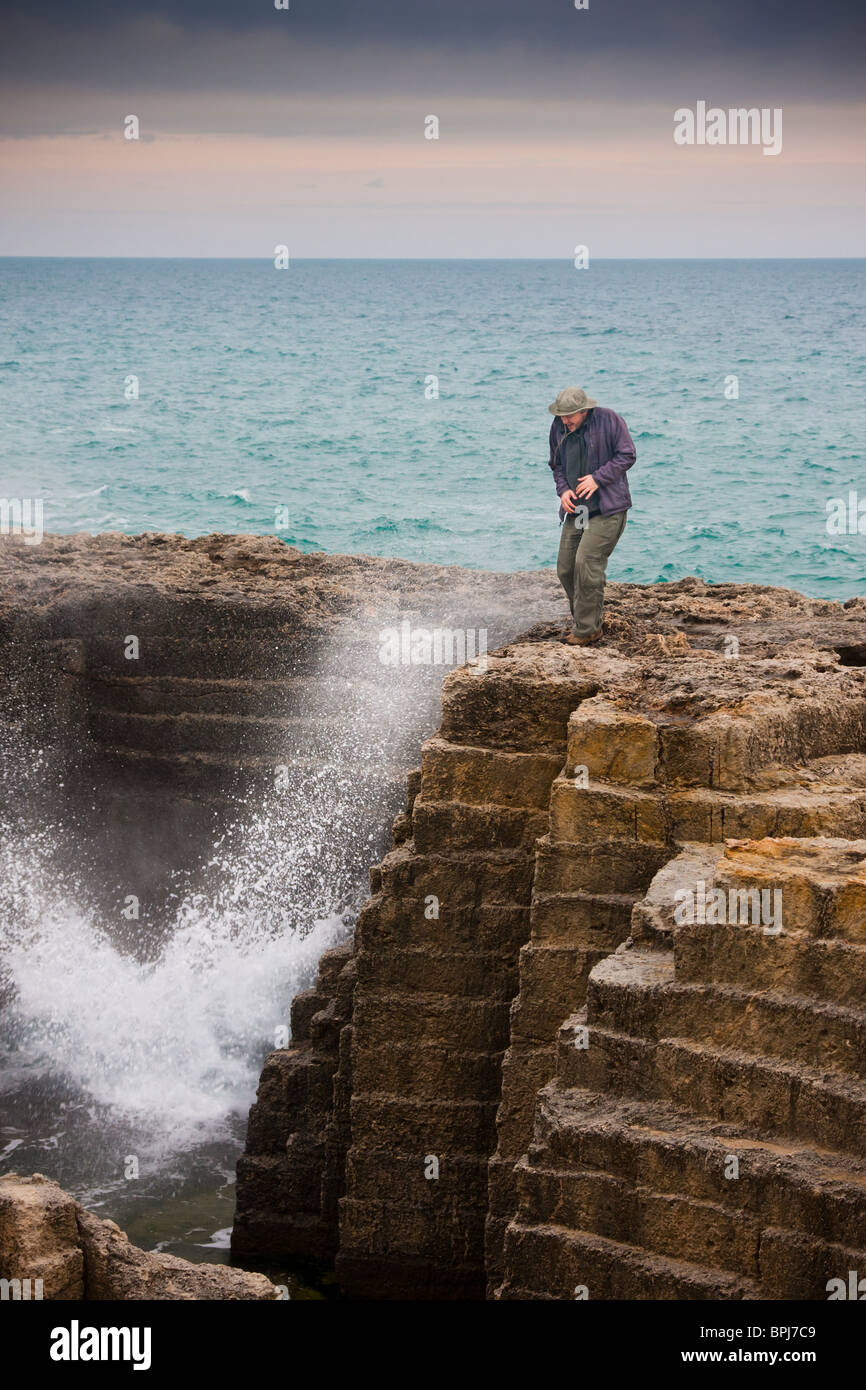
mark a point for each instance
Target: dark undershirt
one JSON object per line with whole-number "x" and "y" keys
{"x": 577, "y": 466}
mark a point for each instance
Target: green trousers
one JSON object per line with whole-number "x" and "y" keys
{"x": 581, "y": 566}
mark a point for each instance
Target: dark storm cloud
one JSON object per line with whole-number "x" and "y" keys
{"x": 244, "y": 67}
{"x": 829, "y": 33}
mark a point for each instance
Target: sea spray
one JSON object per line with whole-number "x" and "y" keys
{"x": 118, "y": 1039}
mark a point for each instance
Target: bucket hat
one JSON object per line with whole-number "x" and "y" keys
{"x": 571, "y": 401}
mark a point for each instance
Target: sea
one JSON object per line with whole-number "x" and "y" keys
{"x": 400, "y": 408}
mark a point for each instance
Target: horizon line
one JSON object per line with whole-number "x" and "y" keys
{"x": 553, "y": 260}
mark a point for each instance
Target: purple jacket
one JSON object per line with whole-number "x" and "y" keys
{"x": 610, "y": 453}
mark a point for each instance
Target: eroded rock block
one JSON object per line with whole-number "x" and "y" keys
{"x": 46, "y": 1236}
{"x": 39, "y": 1237}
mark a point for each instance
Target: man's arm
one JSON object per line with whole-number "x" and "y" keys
{"x": 623, "y": 456}
{"x": 559, "y": 477}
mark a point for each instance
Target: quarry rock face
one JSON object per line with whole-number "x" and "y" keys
{"x": 599, "y": 1031}
{"x": 551, "y": 1087}
{"x": 703, "y": 1134}
{"x": 51, "y": 1248}
{"x": 162, "y": 682}
{"x": 156, "y": 692}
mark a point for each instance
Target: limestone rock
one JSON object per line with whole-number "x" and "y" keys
{"x": 566, "y": 796}
{"x": 39, "y": 1236}
{"x": 667, "y": 644}
{"x": 704, "y": 1133}
{"x": 117, "y": 1271}
{"x": 46, "y": 1235}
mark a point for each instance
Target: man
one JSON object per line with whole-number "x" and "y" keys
{"x": 590, "y": 452}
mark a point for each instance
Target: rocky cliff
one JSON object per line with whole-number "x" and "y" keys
{"x": 526, "y": 1078}
{"x": 528, "y": 1075}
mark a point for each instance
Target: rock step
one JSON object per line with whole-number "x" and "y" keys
{"x": 722, "y": 749}
{"x": 552, "y": 984}
{"x": 607, "y": 867}
{"x": 582, "y": 917}
{"x": 431, "y": 1070}
{"x": 245, "y": 650}
{"x": 679, "y": 1227}
{"x": 439, "y": 825}
{"x": 408, "y": 929}
{"x": 664, "y": 1148}
{"x": 636, "y": 992}
{"x": 478, "y": 776}
{"x": 764, "y": 1095}
{"x": 251, "y": 696}
{"x": 191, "y": 732}
{"x": 614, "y": 813}
{"x": 528, "y": 713}
{"x": 221, "y": 655}
{"x": 782, "y": 1262}
{"x": 423, "y": 1126}
{"x": 186, "y": 772}
{"x": 557, "y": 1262}
{"x": 467, "y": 1023}
{"x": 821, "y": 968}
{"x": 457, "y": 1180}
{"x": 431, "y": 969}
{"x": 727, "y": 1234}
{"x": 397, "y": 1227}
{"x": 819, "y": 809}
{"x": 484, "y": 888}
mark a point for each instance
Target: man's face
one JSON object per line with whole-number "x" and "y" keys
{"x": 571, "y": 422}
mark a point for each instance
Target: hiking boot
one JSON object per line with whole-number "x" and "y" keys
{"x": 571, "y": 641}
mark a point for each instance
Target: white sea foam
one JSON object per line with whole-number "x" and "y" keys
{"x": 174, "y": 1042}
{"x": 161, "y": 1033}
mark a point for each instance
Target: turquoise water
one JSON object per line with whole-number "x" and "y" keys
{"x": 293, "y": 402}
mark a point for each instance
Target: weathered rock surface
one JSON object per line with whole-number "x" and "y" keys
{"x": 433, "y": 1124}
{"x": 559, "y": 786}
{"x": 704, "y": 1135}
{"x": 39, "y": 1236}
{"x": 46, "y": 1235}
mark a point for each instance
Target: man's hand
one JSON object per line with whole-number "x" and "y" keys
{"x": 568, "y": 499}
{"x": 586, "y": 486}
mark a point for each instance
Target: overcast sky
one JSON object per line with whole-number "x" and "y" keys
{"x": 306, "y": 127}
